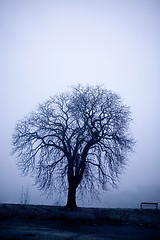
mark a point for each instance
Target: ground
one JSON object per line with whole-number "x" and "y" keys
{"x": 31, "y": 222}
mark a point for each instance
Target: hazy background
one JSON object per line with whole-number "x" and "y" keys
{"x": 47, "y": 46}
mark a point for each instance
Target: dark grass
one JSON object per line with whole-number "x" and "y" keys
{"x": 93, "y": 216}
{"x": 25, "y": 222}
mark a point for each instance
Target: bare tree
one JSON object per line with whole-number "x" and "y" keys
{"x": 24, "y": 196}
{"x": 75, "y": 140}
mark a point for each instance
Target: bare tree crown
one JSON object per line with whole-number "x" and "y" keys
{"x": 81, "y": 136}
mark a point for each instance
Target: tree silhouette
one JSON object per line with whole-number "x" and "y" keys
{"x": 76, "y": 139}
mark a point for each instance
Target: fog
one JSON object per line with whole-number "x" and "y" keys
{"x": 48, "y": 46}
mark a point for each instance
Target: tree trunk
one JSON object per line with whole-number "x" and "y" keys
{"x": 71, "y": 202}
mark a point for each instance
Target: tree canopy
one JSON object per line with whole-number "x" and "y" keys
{"x": 79, "y": 139}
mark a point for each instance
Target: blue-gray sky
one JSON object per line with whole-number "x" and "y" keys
{"x": 47, "y": 46}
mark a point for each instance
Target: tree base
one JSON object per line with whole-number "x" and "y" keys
{"x": 68, "y": 207}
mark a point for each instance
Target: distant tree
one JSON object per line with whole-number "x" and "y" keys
{"x": 76, "y": 139}
{"x": 24, "y": 197}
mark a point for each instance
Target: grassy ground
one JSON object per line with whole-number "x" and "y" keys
{"x": 47, "y": 222}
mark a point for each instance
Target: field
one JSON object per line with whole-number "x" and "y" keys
{"x": 33, "y": 222}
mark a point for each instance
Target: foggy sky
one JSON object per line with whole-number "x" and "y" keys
{"x": 47, "y": 46}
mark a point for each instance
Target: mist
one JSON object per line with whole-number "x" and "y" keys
{"x": 48, "y": 46}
